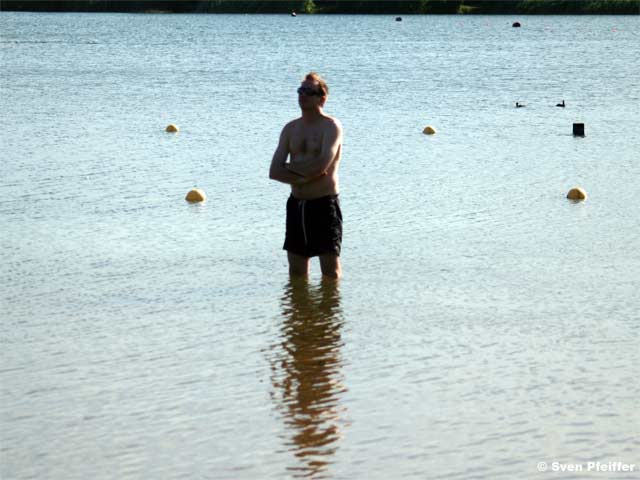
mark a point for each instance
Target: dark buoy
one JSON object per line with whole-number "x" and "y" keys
{"x": 398, "y": 19}
{"x": 560, "y": 104}
{"x": 520, "y": 105}
{"x": 293, "y": 14}
{"x": 578, "y": 129}
{"x": 516, "y": 24}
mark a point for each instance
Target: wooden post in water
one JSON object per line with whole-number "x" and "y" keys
{"x": 578, "y": 129}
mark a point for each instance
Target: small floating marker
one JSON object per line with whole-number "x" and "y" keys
{"x": 516, "y": 25}
{"x": 429, "y": 130}
{"x": 171, "y": 128}
{"x": 195, "y": 195}
{"x": 578, "y": 129}
{"x": 398, "y": 19}
{"x": 577, "y": 193}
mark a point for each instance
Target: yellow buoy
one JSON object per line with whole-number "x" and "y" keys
{"x": 429, "y": 130}
{"x": 171, "y": 128}
{"x": 577, "y": 193}
{"x": 195, "y": 195}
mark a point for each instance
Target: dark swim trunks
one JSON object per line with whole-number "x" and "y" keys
{"x": 314, "y": 227}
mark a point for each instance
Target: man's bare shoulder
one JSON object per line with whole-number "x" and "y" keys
{"x": 292, "y": 124}
{"x": 332, "y": 124}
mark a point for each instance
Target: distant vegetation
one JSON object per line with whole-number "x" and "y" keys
{"x": 584, "y": 6}
{"x": 631, "y": 7}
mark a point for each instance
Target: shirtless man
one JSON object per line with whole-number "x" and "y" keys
{"x": 312, "y": 144}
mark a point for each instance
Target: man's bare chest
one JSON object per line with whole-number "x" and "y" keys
{"x": 305, "y": 141}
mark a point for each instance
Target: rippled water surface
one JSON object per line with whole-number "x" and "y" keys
{"x": 484, "y": 323}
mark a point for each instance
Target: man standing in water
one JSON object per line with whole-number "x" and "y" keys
{"x": 313, "y": 144}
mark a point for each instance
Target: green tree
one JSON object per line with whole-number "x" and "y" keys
{"x": 309, "y": 7}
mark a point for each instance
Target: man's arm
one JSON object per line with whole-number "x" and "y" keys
{"x": 278, "y": 171}
{"x": 314, "y": 165}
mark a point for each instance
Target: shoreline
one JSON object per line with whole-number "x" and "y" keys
{"x": 381, "y": 7}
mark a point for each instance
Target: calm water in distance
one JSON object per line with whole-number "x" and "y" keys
{"x": 484, "y": 323}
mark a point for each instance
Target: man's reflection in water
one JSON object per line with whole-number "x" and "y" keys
{"x": 306, "y": 373}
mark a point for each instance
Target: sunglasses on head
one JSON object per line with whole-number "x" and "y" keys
{"x": 309, "y": 92}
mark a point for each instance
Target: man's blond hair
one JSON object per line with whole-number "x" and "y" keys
{"x": 315, "y": 77}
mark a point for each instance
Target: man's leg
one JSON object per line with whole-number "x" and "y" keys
{"x": 330, "y": 265}
{"x": 298, "y": 265}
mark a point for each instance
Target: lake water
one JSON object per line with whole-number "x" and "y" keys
{"x": 484, "y": 323}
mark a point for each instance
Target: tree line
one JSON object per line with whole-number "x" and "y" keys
{"x": 631, "y": 7}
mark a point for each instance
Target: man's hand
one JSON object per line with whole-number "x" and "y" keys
{"x": 301, "y": 178}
